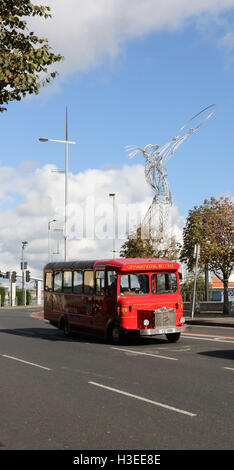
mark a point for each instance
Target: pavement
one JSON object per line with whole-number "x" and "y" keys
{"x": 210, "y": 319}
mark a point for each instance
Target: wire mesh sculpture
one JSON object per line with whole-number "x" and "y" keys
{"x": 156, "y": 174}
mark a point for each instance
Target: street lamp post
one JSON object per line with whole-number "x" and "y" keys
{"x": 66, "y": 142}
{"x": 24, "y": 244}
{"x": 112, "y": 195}
{"x": 196, "y": 256}
{"x": 49, "y": 250}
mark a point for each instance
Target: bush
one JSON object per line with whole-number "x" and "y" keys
{"x": 3, "y": 295}
{"x": 19, "y": 296}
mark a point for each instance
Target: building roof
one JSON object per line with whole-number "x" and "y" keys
{"x": 218, "y": 284}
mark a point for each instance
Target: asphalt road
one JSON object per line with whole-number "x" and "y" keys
{"x": 81, "y": 393}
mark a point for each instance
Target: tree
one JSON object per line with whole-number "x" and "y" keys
{"x": 24, "y": 57}
{"x": 3, "y": 295}
{"x": 186, "y": 287}
{"x": 19, "y": 296}
{"x": 211, "y": 226}
{"x": 136, "y": 247}
{"x": 155, "y": 246}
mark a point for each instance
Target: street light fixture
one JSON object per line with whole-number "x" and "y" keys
{"x": 24, "y": 244}
{"x": 112, "y": 195}
{"x": 44, "y": 139}
{"x": 66, "y": 142}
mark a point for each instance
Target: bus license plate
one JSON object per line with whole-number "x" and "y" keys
{"x": 167, "y": 330}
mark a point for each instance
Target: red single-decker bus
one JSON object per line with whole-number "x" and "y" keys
{"x": 115, "y": 297}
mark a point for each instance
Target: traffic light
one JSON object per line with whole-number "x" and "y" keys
{"x": 7, "y": 275}
{"x": 27, "y": 276}
{"x": 23, "y": 266}
{"x": 13, "y": 276}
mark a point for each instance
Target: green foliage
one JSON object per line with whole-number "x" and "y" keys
{"x": 28, "y": 297}
{"x": 136, "y": 247}
{"x": 24, "y": 57}
{"x": 19, "y": 295}
{"x": 155, "y": 246}
{"x": 3, "y": 295}
{"x": 187, "y": 287}
{"x": 211, "y": 226}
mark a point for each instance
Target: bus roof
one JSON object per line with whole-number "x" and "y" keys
{"x": 123, "y": 264}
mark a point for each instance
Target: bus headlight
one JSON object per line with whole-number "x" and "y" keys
{"x": 146, "y": 322}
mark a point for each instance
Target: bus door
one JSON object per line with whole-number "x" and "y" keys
{"x": 48, "y": 295}
{"x": 87, "y": 300}
{"x": 98, "y": 302}
{"x": 111, "y": 294}
{"x": 57, "y": 300}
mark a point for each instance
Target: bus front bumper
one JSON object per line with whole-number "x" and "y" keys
{"x": 163, "y": 331}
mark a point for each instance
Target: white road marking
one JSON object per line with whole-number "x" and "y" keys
{"x": 218, "y": 339}
{"x": 152, "y": 402}
{"x": 182, "y": 349}
{"x": 229, "y": 368}
{"x": 146, "y": 354}
{"x": 25, "y": 362}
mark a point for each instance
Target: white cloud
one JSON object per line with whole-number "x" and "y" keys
{"x": 226, "y": 43}
{"x": 88, "y": 32}
{"x": 90, "y": 210}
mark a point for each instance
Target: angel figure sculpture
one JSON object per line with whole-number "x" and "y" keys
{"x": 156, "y": 174}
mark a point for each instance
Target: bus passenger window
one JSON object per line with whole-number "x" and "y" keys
{"x": 78, "y": 282}
{"x": 99, "y": 282}
{"x": 111, "y": 282}
{"x": 67, "y": 281}
{"x": 58, "y": 277}
{"x": 88, "y": 282}
{"x": 48, "y": 281}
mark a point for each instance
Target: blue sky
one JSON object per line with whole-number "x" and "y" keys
{"x": 141, "y": 93}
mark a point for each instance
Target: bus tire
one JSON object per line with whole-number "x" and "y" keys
{"x": 173, "y": 337}
{"x": 115, "y": 335}
{"x": 64, "y": 325}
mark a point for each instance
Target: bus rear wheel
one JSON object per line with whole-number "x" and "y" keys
{"x": 173, "y": 337}
{"x": 64, "y": 325}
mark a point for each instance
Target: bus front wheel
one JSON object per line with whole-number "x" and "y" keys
{"x": 115, "y": 334}
{"x": 173, "y": 337}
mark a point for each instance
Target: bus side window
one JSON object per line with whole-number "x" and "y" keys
{"x": 67, "y": 281}
{"x": 99, "y": 282}
{"x": 88, "y": 282}
{"x": 58, "y": 281}
{"x": 78, "y": 282}
{"x": 111, "y": 282}
{"x": 48, "y": 282}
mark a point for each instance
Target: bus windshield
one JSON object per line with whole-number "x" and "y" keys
{"x": 164, "y": 283}
{"x": 134, "y": 284}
